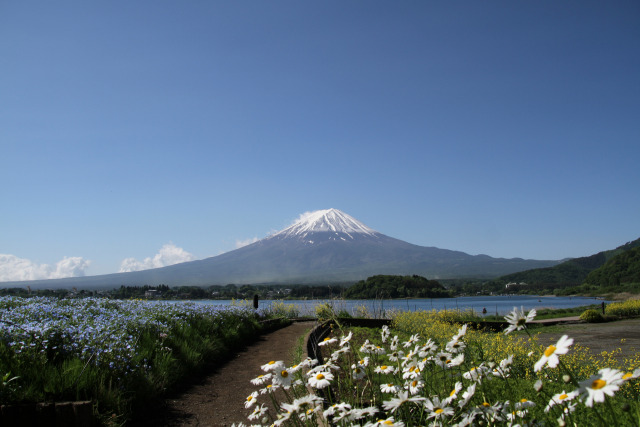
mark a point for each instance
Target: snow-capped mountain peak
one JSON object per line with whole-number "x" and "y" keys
{"x": 327, "y": 220}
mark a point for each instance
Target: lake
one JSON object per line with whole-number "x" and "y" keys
{"x": 500, "y": 305}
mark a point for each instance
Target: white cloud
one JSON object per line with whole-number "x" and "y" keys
{"x": 169, "y": 254}
{"x": 245, "y": 242}
{"x": 13, "y": 268}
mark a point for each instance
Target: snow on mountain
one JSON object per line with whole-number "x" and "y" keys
{"x": 332, "y": 221}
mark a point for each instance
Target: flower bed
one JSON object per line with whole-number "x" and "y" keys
{"x": 429, "y": 372}
{"x": 114, "y": 353}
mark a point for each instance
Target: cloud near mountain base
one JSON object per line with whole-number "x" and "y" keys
{"x": 13, "y": 268}
{"x": 169, "y": 254}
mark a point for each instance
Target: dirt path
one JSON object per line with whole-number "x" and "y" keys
{"x": 599, "y": 337}
{"x": 218, "y": 399}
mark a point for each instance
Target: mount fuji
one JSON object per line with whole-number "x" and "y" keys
{"x": 325, "y": 246}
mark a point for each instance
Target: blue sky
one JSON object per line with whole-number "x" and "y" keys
{"x": 128, "y": 128}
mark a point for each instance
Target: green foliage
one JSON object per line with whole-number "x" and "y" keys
{"x": 384, "y": 286}
{"x": 622, "y": 268}
{"x": 572, "y": 272}
{"x": 592, "y": 316}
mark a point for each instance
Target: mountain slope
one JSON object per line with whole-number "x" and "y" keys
{"x": 622, "y": 268}
{"x": 322, "y": 247}
{"x": 571, "y": 272}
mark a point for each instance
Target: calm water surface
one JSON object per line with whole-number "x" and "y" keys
{"x": 500, "y": 305}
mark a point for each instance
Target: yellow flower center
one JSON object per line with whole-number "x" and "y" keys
{"x": 284, "y": 373}
{"x": 598, "y": 384}
{"x": 327, "y": 339}
{"x": 383, "y": 367}
{"x": 414, "y": 383}
{"x": 453, "y": 393}
{"x": 319, "y": 377}
{"x": 388, "y": 422}
{"x": 439, "y": 411}
{"x": 485, "y": 404}
{"x": 523, "y": 400}
{"x": 563, "y": 396}
{"x": 249, "y": 399}
{"x": 627, "y": 376}
{"x": 271, "y": 363}
{"x": 389, "y": 385}
{"x": 550, "y": 350}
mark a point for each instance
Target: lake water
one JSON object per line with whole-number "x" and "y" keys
{"x": 500, "y": 305}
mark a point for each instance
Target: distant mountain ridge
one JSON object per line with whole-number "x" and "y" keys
{"x": 326, "y": 246}
{"x": 571, "y": 272}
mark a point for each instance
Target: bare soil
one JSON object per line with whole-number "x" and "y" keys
{"x": 599, "y": 337}
{"x": 217, "y": 399}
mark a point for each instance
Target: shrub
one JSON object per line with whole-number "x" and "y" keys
{"x": 592, "y": 316}
{"x": 629, "y": 308}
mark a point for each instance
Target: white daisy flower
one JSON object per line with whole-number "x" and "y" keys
{"x": 467, "y": 395}
{"x": 345, "y": 339}
{"x": 387, "y": 422}
{"x": 270, "y": 388}
{"x": 282, "y": 377}
{"x": 455, "y": 346}
{"x": 389, "y": 388}
{"x": 412, "y": 340}
{"x": 561, "y": 398}
{"x": 364, "y": 362}
{"x": 476, "y": 373}
{"x": 454, "y": 393}
{"x": 261, "y": 379}
{"x": 550, "y": 355}
{"x": 461, "y": 332}
{"x": 251, "y": 400}
{"x": 384, "y": 369}
{"x": 320, "y": 380}
{"x": 456, "y": 361}
{"x": 437, "y": 408}
{"x": 607, "y": 382}
{"x": 396, "y": 355}
{"x": 442, "y": 359}
{"x": 403, "y": 397}
{"x": 385, "y": 332}
{"x": 357, "y": 372}
{"x": 517, "y": 319}
{"x": 327, "y": 341}
{"x": 258, "y": 412}
{"x": 394, "y": 343}
{"x": 340, "y": 409}
{"x": 272, "y": 366}
{"x": 414, "y": 386}
{"x": 503, "y": 369}
{"x": 427, "y": 348}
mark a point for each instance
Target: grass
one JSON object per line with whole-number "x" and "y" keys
{"x": 118, "y": 354}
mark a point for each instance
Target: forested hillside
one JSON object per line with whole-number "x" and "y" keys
{"x": 385, "y": 286}
{"x": 623, "y": 268}
{"x": 571, "y": 272}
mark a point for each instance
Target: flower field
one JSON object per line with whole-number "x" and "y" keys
{"x": 425, "y": 371}
{"x": 115, "y": 353}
